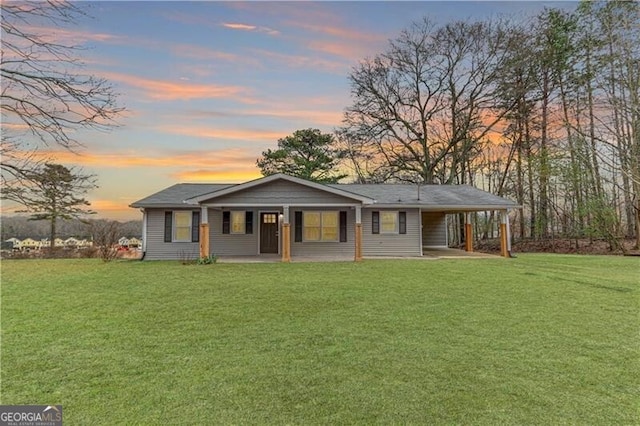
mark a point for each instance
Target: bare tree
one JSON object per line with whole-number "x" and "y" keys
{"x": 45, "y": 96}
{"x": 421, "y": 108}
{"x": 105, "y": 235}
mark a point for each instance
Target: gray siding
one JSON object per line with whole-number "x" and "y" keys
{"x": 232, "y": 244}
{"x": 392, "y": 244}
{"x": 434, "y": 229}
{"x": 157, "y": 249}
{"x": 323, "y": 248}
{"x": 280, "y": 192}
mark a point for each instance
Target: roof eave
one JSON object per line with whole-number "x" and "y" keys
{"x": 271, "y": 178}
{"x": 445, "y": 207}
{"x": 161, "y": 206}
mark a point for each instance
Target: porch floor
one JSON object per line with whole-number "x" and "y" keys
{"x": 428, "y": 254}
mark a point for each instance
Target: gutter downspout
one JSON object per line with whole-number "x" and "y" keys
{"x": 144, "y": 233}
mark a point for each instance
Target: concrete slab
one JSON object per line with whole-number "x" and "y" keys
{"x": 429, "y": 254}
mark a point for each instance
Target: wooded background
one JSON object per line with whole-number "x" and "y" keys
{"x": 546, "y": 112}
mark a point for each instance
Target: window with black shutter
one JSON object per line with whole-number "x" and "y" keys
{"x": 402, "y": 222}
{"x": 168, "y": 226}
{"x": 226, "y": 222}
{"x": 298, "y": 227}
{"x": 343, "y": 227}
{"x": 375, "y": 222}
{"x": 195, "y": 227}
{"x": 248, "y": 218}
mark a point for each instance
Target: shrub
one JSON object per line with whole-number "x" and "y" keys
{"x": 207, "y": 260}
{"x": 105, "y": 238}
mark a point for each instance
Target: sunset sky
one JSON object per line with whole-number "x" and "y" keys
{"x": 208, "y": 86}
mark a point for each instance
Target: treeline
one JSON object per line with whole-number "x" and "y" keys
{"x": 545, "y": 111}
{"x": 21, "y": 227}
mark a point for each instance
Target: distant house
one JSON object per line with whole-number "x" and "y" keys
{"x": 84, "y": 243}
{"x": 134, "y": 242}
{"x": 30, "y": 244}
{"x": 12, "y": 244}
{"x": 290, "y": 217}
{"x": 71, "y": 243}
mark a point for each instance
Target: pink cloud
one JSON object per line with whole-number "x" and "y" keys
{"x": 247, "y": 27}
{"x": 239, "y": 26}
{"x": 118, "y": 160}
{"x": 304, "y": 61}
{"x": 228, "y": 175}
{"x": 247, "y": 135}
{"x": 163, "y": 90}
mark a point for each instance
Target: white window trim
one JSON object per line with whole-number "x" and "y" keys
{"x": 337, "y": 239}
{"x": 174, "y": 226}
{"x": 396, "y": 230}
{"x": 243, "y": 213}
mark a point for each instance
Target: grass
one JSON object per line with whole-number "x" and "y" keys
{"x": 541, "y": 339}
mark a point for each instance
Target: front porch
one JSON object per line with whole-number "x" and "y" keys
{"x": 428, "y": 254}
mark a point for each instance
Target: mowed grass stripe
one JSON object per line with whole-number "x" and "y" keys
{"x": 535, "y": 340}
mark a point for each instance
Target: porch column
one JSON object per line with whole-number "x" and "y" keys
{"x": 468, "y": 233}
{"x": 286, "y": 235}
{"x": 504, "y": 234}
{"x": 204, "y": 232}
{"x": 358, "y": 247}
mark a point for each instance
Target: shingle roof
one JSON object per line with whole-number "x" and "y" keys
{"x": 432, "y": 197}
{"x": 448, "y": 197}
{"x": 175, "y": 195}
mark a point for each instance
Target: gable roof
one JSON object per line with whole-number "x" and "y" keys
{"x": 333, "y": 189}
{"x": 453, "y": 198}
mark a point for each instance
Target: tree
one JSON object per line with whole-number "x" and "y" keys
{"x": 307, "y": 154}
{"x": 52, "y": 193}
{"x": 46, "y": 98}
{"x": 105, "y": 235}
{"x": 422, "y": 107}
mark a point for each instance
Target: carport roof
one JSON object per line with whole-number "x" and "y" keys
{"x": 454, "y": 198}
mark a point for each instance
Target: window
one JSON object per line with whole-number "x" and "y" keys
{"x": 269, "y": 218}
{"x": 237, "y": 222}
{"x": 388, "y": 222}
{"x": 312, "y": 226}
{"x": 329, "y": 226}
{"x": 181, "y": 226}
{"x": 320, "y": 226}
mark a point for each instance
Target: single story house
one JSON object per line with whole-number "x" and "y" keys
{"x": 288, "y": 216}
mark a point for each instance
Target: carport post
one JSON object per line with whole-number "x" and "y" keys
{"x": 204, "y": 232}
{"x": 468, "y": 233}
{"x": 505, "y": 249}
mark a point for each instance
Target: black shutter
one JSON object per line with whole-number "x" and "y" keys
{"x": 168, "y": 226}
{"x": 248, "y": 222}
{"x": 298, "y": 231}
{"x": 195, "y": 227}
{"x": 402, "y": 222}
{"x": 343, "y": 227}
{"x": 226, "y": 222}
{"x": 375, "y": 222}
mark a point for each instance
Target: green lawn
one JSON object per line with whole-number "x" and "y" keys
{"x": 541, "y": 339}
